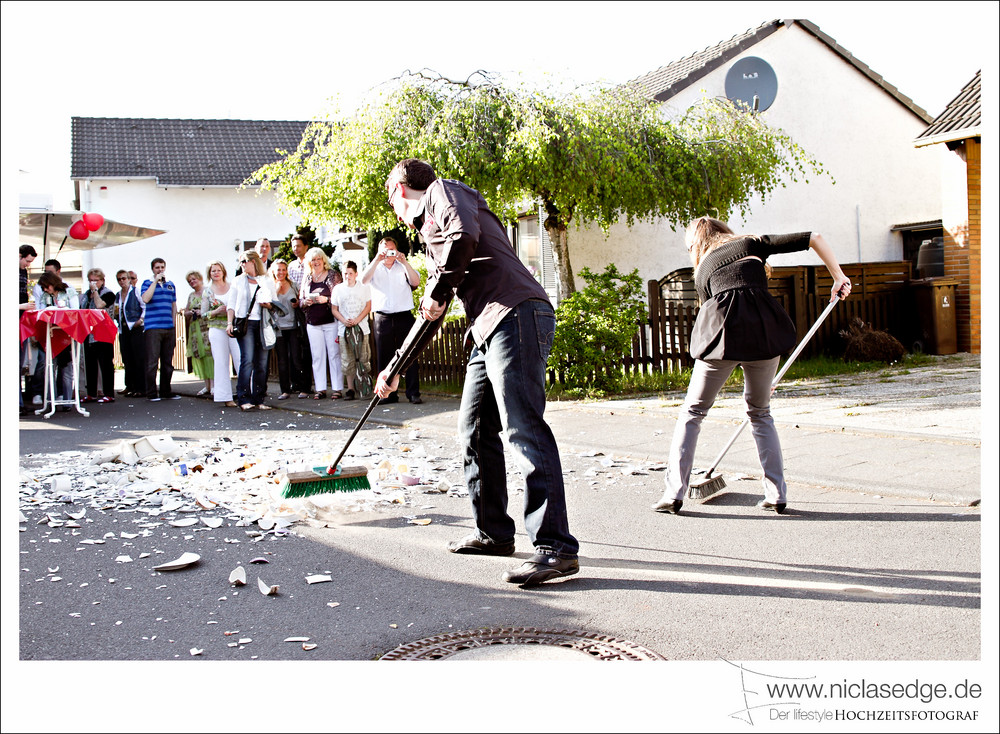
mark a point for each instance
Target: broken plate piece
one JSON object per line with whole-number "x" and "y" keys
{"x": 238, "y": 576}
{"x": 296, "y": 639}
{"x": 213, "y": 522}
{"x": 419, "y": 521}
{"x": 195, "y": 651}
{"x": 259, "y": 560}
{"x": 309, "y": 646}
{"x": 185, "y": 559}
{"x": 318, "y": 578}
{"x": 123, "y": 559}
{"x": 266, "y": 589}
{"x": 184, "y": 522}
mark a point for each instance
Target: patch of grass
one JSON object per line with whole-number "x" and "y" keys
{"x": 638, "y": 385}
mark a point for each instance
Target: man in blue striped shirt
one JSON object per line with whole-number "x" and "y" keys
{"x": 160, "y": 297}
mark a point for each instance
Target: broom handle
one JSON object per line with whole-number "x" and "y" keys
{"x": 777, "y": 378}
{"x": 415, "y": 341}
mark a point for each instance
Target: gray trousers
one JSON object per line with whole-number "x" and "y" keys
{"x": 707, "y": 379}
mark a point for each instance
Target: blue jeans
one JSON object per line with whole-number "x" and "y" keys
{"x": 505, "y": 391}
{"x": 251, "y": 382}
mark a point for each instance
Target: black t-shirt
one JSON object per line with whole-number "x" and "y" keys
{"x": 739, "y": 319}
{"x": 318, "y": 313}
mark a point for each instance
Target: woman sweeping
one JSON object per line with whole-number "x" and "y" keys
{"x": 739, "y": 323}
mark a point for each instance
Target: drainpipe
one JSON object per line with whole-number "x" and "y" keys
{"x": 88, "y": 255}
{"x": 857, "y": 216}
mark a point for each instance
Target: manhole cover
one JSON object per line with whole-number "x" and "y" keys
{"x": 521, "y": 643}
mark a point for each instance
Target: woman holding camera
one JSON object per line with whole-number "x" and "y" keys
{"x": 199, "y": 349}
{"x": 292, "y": 376}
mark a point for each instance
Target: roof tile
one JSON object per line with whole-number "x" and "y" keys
{"x": 178, "y": 152}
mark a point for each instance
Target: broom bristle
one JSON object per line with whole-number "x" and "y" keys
{"x": 317, "y": 481}
{"x": 706, "y": 488}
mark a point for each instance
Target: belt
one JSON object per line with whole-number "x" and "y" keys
{"x": 393, "y": 313}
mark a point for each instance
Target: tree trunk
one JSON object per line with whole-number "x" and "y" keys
{"x": 556, "y": 229}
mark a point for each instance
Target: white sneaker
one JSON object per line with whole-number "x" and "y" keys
{"x": 37, "y": 400}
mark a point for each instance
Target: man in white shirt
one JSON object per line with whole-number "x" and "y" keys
{"x": 392, "y": 280}
{"x": 298, "y": 271}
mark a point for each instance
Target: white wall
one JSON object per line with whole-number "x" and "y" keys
{"x": 861, "y": 135}
{"x": 201, "y": 225}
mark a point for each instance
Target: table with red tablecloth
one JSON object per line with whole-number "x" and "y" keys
{"x": 57, "y": 328}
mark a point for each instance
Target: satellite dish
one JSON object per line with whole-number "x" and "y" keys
{"x": 752, "y": 82}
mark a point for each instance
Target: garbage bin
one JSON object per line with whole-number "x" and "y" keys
{"x": 937, "y": 331}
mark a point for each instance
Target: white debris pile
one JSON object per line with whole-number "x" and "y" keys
{"x": 164, "y": 479}
{"x": 607, "y": 469}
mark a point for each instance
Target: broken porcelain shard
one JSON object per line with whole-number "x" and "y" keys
{"x": 266, "y": 589}
{"x": 238, "y": 576}
{"x": 318, "y": 578}
{"x": 183, "y": 561}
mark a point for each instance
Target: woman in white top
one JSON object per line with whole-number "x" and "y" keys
{"x": 321, "y": 326}
{"x": 252, "y": 287}
{"x": 214, "y": 303}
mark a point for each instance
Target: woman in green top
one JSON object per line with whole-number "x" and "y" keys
{"x": 198, "y": 348}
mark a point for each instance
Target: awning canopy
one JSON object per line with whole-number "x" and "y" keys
{"x": 49, "y": 230}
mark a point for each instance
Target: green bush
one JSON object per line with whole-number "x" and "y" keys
{"x": 595, "y": 327}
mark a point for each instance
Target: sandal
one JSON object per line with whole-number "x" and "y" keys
{"x": 247, "y": 406}
{"x": 284, "y": 396}
{"x": 335, "y": 395}
{"x": 264, "y": 407}
{"x": 319, "y": 395}
{"x": 229, "y": 404}
{"x": 303, "y": 395}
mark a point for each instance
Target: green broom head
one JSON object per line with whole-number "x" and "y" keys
{"x": 318, "y": 481}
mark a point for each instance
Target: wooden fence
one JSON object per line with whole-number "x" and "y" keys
{"x": 880, "y": 296}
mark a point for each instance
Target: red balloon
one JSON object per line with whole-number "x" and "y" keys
{"x": 78, "y": 231}
{"x": 93, "y": 222}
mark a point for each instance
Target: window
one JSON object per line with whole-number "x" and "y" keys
{"x": 528, "y": 245}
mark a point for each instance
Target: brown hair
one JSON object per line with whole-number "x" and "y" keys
{"x": 208, "y": 270}
{"x": 47, "y": 279}
{"x": 411, "y": 172}
{"x": 258, "y": 264}
{"x": 703, "y": 235}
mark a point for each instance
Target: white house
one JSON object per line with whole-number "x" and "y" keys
{"x": 887, "y": 195}
{"x": 182, "y": 176}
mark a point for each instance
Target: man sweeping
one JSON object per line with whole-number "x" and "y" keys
{"x": 512, "y": 325}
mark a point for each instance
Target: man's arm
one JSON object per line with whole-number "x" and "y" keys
{"x": 370, "y": 270}
{"x": 147, "y": 295}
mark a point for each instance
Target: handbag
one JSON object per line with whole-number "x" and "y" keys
{"x": 240, "y": 322}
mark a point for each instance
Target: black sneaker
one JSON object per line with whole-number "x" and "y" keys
{"x": 542, "y": 567}
{"x": 472, "y": 544}
{"x": 415, "y": 400}
{"x": 389, "y": 399}
{"x": 778, "y": 507}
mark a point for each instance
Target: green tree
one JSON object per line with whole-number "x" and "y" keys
{"x": 588, "y": 155}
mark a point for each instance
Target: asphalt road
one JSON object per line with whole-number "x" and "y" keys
{"x": 843, "y": 576}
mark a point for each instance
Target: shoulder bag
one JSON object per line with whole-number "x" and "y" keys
{"x": 240, "y": 322}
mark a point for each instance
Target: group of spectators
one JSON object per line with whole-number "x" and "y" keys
{"x": 314, "y": 319}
